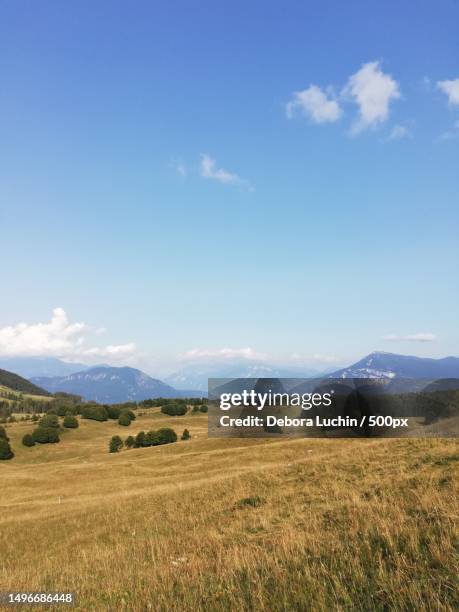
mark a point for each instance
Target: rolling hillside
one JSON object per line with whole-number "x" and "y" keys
{"x": 17, "y": 383}
{"x": 211, "y": 524}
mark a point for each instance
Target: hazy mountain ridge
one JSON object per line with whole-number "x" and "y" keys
{"x": 106, "y": 384}
{"x": 391, "y": 365}
{"x": 30, "y": 367}
{"x": 195, "y": 376}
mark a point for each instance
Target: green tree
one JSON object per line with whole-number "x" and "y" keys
{"x": 124, "y": 419}
{"x": 129, "y": 442}
{"x": 70, "y": 422}
{"x": 45, "y": 435}
{"x": 203, "y": 408}
{"x": 5, "y": 450}
{"x": 95, "y": 413}
{"x": 115, "y": 444}
{"x": 28, "y": 440}
{"x": 113, "y": 412}
{"x": 140, "y": 439}
{"x": 49, "y": 420}
{"x": 3, "y": 434}
{"x": 166, "y": 435}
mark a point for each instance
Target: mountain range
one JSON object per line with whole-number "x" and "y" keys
{"x": 29, "y": 367}
{"x": 195, "y": 376}
{"x": 108, "y": 384}
{"x": 391, "y": 365}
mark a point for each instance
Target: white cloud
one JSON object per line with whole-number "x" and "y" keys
{"x": 223, "y": 353}
{"x": 420, "y": 337}
{"x": 118, "y": 350}
{"x": 209, "y": 170}
{"x": 315, "y": 104}
{"x": 372, "y": 90}
{"x": 451, "y": 89}
{"x": 450, "y": 134}
{"x": 181, "y": 169}
{"x": 398, "y": 132}
{"x": 56, "y": 338}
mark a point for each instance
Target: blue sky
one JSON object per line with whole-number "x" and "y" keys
{"x": 200, "y": 176}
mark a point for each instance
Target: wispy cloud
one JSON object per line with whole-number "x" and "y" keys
{"x": 398, "y": 132}
{"x": 209, "y": 170}
{"x": 372, "y": 90}
{"x": 179, "y": 166}
{"x": 57, "y": 338}
{"x": 420, "y": 337}
{"x": 181, "y": 169}
{"x": 319, "y": 106}
{"x": 451, "y": 89}
{"x": 451, "y": 134}
{"x": 223, "y": 353}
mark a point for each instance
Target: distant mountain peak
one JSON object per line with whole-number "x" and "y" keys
{"x": 109, "y": 384}
{"x": 380, "y": 364}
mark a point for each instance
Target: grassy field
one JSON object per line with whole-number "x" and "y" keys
{"x": 217, "y": 524}
{"x": 6, "y": 393}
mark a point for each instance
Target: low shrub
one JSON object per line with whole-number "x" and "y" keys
{"x": 174, "y": 409}
{"x": 115, "y": 444}
{"x": 49, "y": 420}
{"x": 129, "y": 442}
{"x": 165, "y": 435}
{"x": 124, "y": 419}
{"x": 140, "y": 439}
{"x": 203, "y": 408}
{"x": 28, "y": 440}
{"x": 5, "y": 450}
{"x": 113, "y": 412}
{"x": 70, "y": 422}
{"x": 185, "y": 435}
{"x": 95, "y": 413}
{"x": 3, "y": 434}
{"x": 45, "y": 435}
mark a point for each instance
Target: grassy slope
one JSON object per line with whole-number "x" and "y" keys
{"x": 335, "y": 524}
{"x": 21, "y": 396}
{"x": 17, "y": 383}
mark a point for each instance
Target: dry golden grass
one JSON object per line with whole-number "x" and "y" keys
{"x": 213, "y": 524}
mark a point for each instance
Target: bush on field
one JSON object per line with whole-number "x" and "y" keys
{"x": 49, "y": 420}
{"x": 3, "y": 434}
{"x": 140, "y": 439}
{"x": 45, "y": 435}
{"x": 28, "y": 440}
{"x": 129, "y": 442}
{"x": 70, "y": 422}
{"x": 5, "y": 449}
{"x": 115, "y": 444}
{"x": 165, "y": 435}
{"x": 203, "y": 408}
{"x": 174, "y": 409}
{"x": 124, "y": 419}
{"x": 95, "y": 413}
{"x": 185, "y": 435}
{"x": 113, "y": 412}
